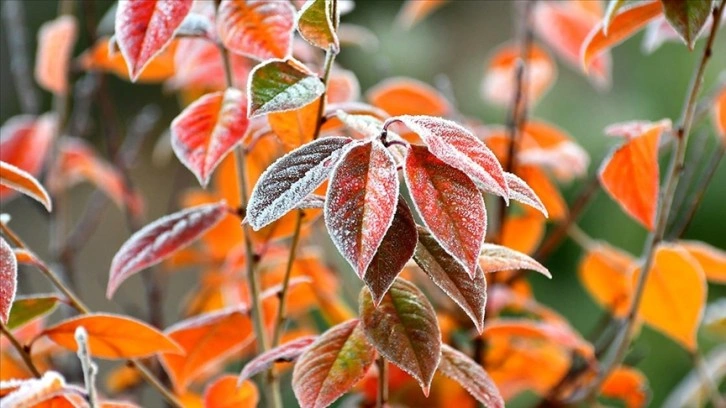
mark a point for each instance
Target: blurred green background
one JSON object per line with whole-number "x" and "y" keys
{"x": 454, "y": 42}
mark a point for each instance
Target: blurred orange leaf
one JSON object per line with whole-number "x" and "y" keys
{"x": 405, "y": 96}
{"x": 413, "y": 11}
{"x": 112, "y": 336}
{"x": 627, "y": 384}
{"x": 100, "y": 57}
{"x": 524, "y": 232}
{"x": 55, "y": 47}
{"x": 606, "y": 272}
{"x": 226, "y": 393}
{"x": 674, "y": 296}
{"x": 296, "y": 127}
{"x": 711, "y": 259}
{"x": 719, "y": 114}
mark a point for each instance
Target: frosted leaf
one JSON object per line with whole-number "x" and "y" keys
{"x": 287, "y": 352}
{"x": 404, "y": 329}
{"x": 361, "y": 202}
{"x": 495, "y": 258}
{"x": 520, "y": 191}
{"x": 635, "y": 128}
{"x": 290, "y": 179}
{"x": 332, "y": 365}
{"x": 396, "y": 249}
{"x": 143, "y": 29}
{"x": 160, "y": 239}
{"x": 448, "y": 274}
{"x": 367, "y": 125}
{"x": 311, "y": 201}
{"x": 470, "y": 375}
{"x": 208, "y": 129}
{"x": 316, "y": 24}
{"x": 8, "y": 279}
{"x": 450, "y": 205}
{"x": 34, "y": 391}
{"x": 260, "y": 29}
{"x": 197, "y": 25}
{"x": 279, "y": 86}
{"x": 22, "y": 181}
{"x": 459, "y": 148}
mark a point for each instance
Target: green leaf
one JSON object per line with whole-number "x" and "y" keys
{"x": 280, "y": 86}
{"x": 316, "y": 24}
{"x": 462, "y": 369}
{"x": 404, "y": 329}
{"x": 687, "y": 17}
{"x": 26, "y": 309}
{"x": 451, "y": 277}
{"x": 332, "y": 365}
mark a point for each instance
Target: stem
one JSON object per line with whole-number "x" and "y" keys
{"x": 581, "y": 237}
{"x": 327, "y": 67}
{"x": 717, "y": 400}
{"x": 90, "y": 370}
{"x": 664, "y": 204}
{"x": 13, "y": 16}
{"x": 286, "y": 282}
{"x": 24, "y": 353}
{"x": 382, "y": 396}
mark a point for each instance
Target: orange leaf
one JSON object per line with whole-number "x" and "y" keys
{"x": 712, "y": 260}
{"x": 545, "y": 190}
{"x": 296, "y": 127}
{"x": 556, "y": 333}
{"x": 225, "y": 393}
{"x": 606, "y": 272}
{"x": 719, "y": 114}
{"x": 55, "y": 47}
{"x": 21, "y": 181}
{"x": 100, "y": 57}
{"x": 627, "y": 384}
{"x": 523, "y": 233}
{"x": 259, "y": 29}
{"x": 674, "y": 295}
{"x": 414, "y": 11}
{"x": 630, "y": 174}
{"x": 401, "y": 96}
{"x": 112, "y": 336}
{"x": 625, "y": 24}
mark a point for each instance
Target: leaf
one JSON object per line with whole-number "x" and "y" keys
{"x": 281, "y": 85}
{"x": 470, "y": 375}
{"x": 143, "y": 29}
{"x": 290, "y": 179}
{"x": 711, "y": 259}
{"x": 316, "y": 24}
{"x": 459, "y": 148}
{"x": 287, "y": 352}
{"x": 449, "y": 204}
{"x": 112, "y": 336}
{"x": 523, "y": 232}
{"x": 555, "y": 332}
{"x": 21, "y": 181}
{"x": 100, "y": 58}
{"x": 260, "y": 29}
{"x": 688, "y": 18}
{"x": 406, "y": 96}
{"x": 33, "y": 392}
{"x": 198, "y": 64}
{"x": 208, "y": 129}
{"x": 56, "y": 39}
{"x": 719, "y": 114}
{"x": 628, "y": 385}
{"x": 520, "y": 191}
{"x": 160, "y": 239}
{"x": 206, "y": 340}
{"x": 361, "y": 202}
{"x": 470, "y": 293}
{"x": 226, "y": 392}
{"x": 332, "y": 365}
{"x": 413, "y": 11}
{"x": 404, "y": 329}
{"x": 396, "y": 249}
{"x": 9, "y": 281}
{"x": 28, "y": 308}
{"x": 368, "y": 126}
{"x": 625, "y": 24}
{"x": 674, "y": 296}
{"x": 296, "y": 127}
{"x": 606, "y": 273}
{"x": 613, "y": 7}
{"x": 544, "y": 189}
{"x": 496, "y": 258}
{"x": 630, "y": 175}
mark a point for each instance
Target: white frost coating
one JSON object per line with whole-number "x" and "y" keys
{"x": 287, "y": 352}
{"x": 522, "y": 192}
{"x": 8, "y": 279}
{"x": 290, "y": 179}
{"x": 470, "y": 375}
{"x": 294, "y": 96}
{"x": 158, "y": 240}
{"x": 494, "y": 258}
{"x": 459, "y": 148}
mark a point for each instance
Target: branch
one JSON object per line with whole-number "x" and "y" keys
{"x": 90, "y": 370}
{"x": 24, "y": 353}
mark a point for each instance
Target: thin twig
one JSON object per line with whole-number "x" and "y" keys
{"x": 382, "y": 394}
{"x": 90, "y": 369}
{"x": 664, "y": 205}
{"x": 24, "y": 353}
{"x": 717, "y": 400}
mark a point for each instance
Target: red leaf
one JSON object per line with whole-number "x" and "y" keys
{"x": 208, "y": 129}
{"x": 630, "y": 175}
{"x": 23, "y": 182}
{"x": 112, "y": 336}
{"x": 287, "y": 352}
{"x": 520, "y": 191}
{"x": 470, "y": 375}
{"x": 459, "y": 148}
{"x": 396, "y": 249}
{"x": 145, "y": 27}
{"x": 332, "y": 365}
{"x": 449, "y": 204}
{"x": 448, "y": 274}
{"x": 404, "y": 329}
{"x": 361, "y": 202}
{"x": 160, "y": 239}
{"x": 8, "y": 279}
{"x": 55, "y": 48}
{"x": 260, "y": 29}
{"x": 290, "y": 179}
